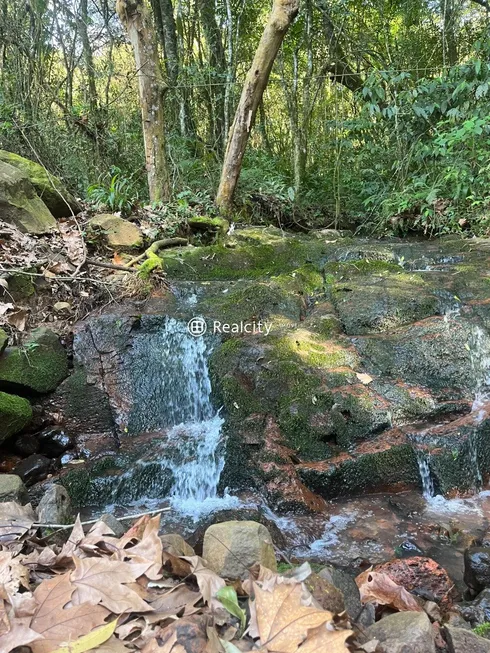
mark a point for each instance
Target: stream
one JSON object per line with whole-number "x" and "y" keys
{"x": 354, "y": 533}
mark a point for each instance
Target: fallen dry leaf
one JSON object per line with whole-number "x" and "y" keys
{"x": 324, "y": 638}
{"x": 376, "y": 587}
{"x": 208, "y": 581}
{"x": 282, "y": 622}
{"x": 364, "y": 378}
{"x": 148, "y": 550}
{"x": 13, "y": 574}
{"x": 20, "y": 634}
{"x": 58, "y": 624}
{"x": 98, "y": 580}
{"x": 73, "y": 240}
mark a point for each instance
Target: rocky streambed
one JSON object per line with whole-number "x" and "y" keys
{"x": 340, "y": 388}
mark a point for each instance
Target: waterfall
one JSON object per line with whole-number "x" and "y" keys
{"x": 480, "y": 362}
{"x": 165, "y": 374}
{"x": 425, "y": 475}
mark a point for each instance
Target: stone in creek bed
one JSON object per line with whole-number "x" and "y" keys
{"x": 54, "y": 442}
{"x": 478, "y": 611}
{"x": 26, "y": 445}
{"x": 460, "y": 640}
{"x": 477, "y": 568}
{"x": 34, "y": 468}
{"x": 422, "y": 577}
{"x": 404, "y": 632}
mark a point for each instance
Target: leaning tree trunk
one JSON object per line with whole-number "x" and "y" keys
{"x": 282, "y": 15}
{"x": 136, "y": 18}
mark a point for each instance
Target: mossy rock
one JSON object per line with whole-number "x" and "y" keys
{"x": 49, "y": 188}
{"x": 37, "y": 366}
{"x": 119, "y": 479}
{"x": 20, "y": 205}
{"x": 21, "y": 287}
{"x": 434, "y": 353}
{"x": 382, "y": 302}
{"x": 214, "y": 227}
{"x": 245, "y": 260}
{"x": 15, "y": 414}
{"x": 3, "y": 340}
{"x": 256, "y": 302}
{"x": 362, "y": 473}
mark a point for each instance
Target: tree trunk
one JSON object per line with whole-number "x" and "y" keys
{"x": 282, "y": 15}
{"x": 89, "y": 60}
{"x": 217, "y": 66}
{"x": 135, "y": 16}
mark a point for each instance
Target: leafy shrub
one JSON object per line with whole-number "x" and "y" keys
{"x": 114, "y": 191}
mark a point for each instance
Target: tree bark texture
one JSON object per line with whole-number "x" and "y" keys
{"x": 136, "y": 18}
{"x": 282, "y": 15}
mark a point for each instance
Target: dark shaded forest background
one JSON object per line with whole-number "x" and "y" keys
{"x": 377, "y": 112}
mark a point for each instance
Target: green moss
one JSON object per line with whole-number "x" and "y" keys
{"x": 21, "y": 286}
{"x": 365, "y": 472}
{"x": 205, "y": 223}
{"x": 153, "y": 262}
{"x": 351, "y": 269}
{"x": 39, "y": 365}
{"x": 49, "y": 188}
{"x": 15, "y": 414}
{"x": 3, "y": 340}
{"x": 243, "y": 261}
{"x": 483, "y": 630}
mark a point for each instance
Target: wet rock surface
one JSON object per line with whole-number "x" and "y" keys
{"x": 34, "y": 468}
{"x": 375, "y": 352}
{"x": 477, "y": 568}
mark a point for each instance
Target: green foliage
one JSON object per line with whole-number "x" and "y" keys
{"x": 419, "y": 149}
{"x": 483, "y": 630}
{"x": 114, "y": 191}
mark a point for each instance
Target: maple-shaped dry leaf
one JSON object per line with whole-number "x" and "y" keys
{"x": 376, "y": 587}
{"x": 73, "y": 240}
{"x": 179, "y": 567}
{"x": 58, "y": 624}
{"x": 149, "y": 549}
{"x": 98, "y": 580}
{"x": 178, "y": 599}
{"x": 71, "y": 545}
{"x": 208, "y": 581}
{"x": 282, "y": 622}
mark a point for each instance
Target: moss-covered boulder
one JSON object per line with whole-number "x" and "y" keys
{"x": 435, "y": 352}
{"x": 15, "y": 414}
{"x": 20, "y": 205}
{"x": 209, "y": 228}
{"x": 250, "y": 254}
{"x": 3, "y": 340}
{"x": 37, "y": 366}
{"x": 376, "y": 297}
{"x": 117, "y": 233}
{"x": 49, "y": 188}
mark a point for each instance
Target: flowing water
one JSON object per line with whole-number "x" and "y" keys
{"x": 167, "y": 371}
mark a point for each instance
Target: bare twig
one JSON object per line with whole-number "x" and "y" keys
{"x": 109, "y": 266}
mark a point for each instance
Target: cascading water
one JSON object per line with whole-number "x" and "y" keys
{"x": 165, "y": 373}
{"x": 425, "y": 475}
